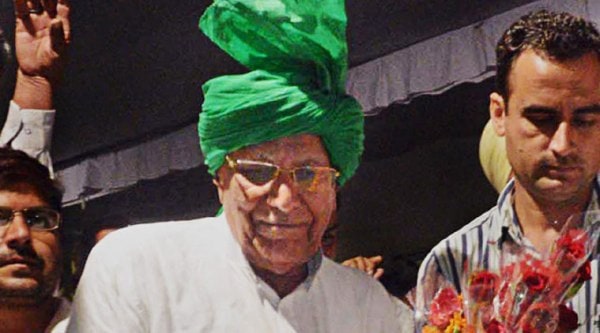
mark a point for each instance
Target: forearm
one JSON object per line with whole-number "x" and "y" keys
{"x": 33, "y": 92}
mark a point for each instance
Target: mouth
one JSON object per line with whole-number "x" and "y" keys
{"x": 20, "y": 261}
{"x": 280, "y": 230}
{"x": 562, "y": 170}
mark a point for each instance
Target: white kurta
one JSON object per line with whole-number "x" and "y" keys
{"x": 192, "y": 277}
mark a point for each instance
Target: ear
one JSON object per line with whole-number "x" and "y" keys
{"x": 219, "y": 187}
{"x": 221, "y": 181}
{"x": 498, "y": 113}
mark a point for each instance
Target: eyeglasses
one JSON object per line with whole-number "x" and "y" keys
{"x": 305, "y": 177}
{"x": 37, "y": 218}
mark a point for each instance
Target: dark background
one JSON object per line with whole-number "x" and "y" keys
{"x": 135, "y": 72}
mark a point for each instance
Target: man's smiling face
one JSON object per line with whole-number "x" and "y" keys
{"x": 279, "y": 223}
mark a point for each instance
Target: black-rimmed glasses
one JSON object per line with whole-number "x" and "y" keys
{"x": 37, "y": 218}
{"x": 305, "y": 177}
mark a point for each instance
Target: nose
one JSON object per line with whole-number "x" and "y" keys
{"x": 17, "y": 233}
{"x": 561, "y": 142}
{"x": 284, "y": 194}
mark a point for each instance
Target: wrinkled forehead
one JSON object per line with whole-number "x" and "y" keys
{"x": 292, "y": 150}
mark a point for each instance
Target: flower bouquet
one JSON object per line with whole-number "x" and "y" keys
{"x": 526, "y": 294}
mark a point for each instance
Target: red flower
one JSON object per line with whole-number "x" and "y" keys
{"x": 482, "y": 286}
{"x": 540, "y": 318}
{"x": 567, "y": 319}
{"x": 495, "y": 327}
{"x": 570, "y": 249}
{"x": 445, "y": 303}
{"x": 535, "y": 281}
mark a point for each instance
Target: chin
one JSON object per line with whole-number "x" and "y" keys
{"x": 282, "y": 268}
{"x": 22, "y": 293}
{"x": 557, "y": 190}
{"x": 282, "y": 265}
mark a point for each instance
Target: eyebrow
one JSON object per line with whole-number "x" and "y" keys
{"x": 591, "y": 109}
{"x": 26, "y": 208}
{"x": 264, "y": 159}
{"x": 311, "y": 162}
{"x": 536, "y": 109}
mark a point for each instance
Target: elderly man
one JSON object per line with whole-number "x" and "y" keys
{"x": 279, "y": 141}
{"x": 548, "y": 109}
{"x": 30, "y": 252}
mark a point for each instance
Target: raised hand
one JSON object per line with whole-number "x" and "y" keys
{"x": 42, "y": 34}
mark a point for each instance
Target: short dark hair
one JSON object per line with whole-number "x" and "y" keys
{"x": 560, "y": 36}
{"x": 19, "y": 171}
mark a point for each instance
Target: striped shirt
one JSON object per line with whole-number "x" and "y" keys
{"x": 479, "y": 245}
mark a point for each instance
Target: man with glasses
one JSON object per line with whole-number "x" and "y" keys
{"x": 278, "y": 140}
{"x": 30, "y": 235}
{"x": 30, "y": 251}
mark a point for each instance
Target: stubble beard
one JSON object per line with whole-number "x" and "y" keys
{"x": 16, "y": 295}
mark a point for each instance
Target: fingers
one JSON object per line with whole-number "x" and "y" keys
{"x": 57, "y": 36}
{"x": 367, "y": 265}
{"x": 376, "y": 260}
{"x": 24, "y": 8}
{"x": 63, "y": 11}
{"x": 372, "y": 263}
{"x": 35, "y": 7}
{"x": 50, "y": 7}
{"x": 21, "y": 9}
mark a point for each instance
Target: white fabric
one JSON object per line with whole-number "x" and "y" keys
{"x": 29, "y": 130}
{"x": 59, "y": 322}
{"x": 437, "y": 64}
{"x": 110, "y": 172}
{"x": 192, "y": 277}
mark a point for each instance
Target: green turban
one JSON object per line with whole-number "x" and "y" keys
{"x": 298, "y": 56}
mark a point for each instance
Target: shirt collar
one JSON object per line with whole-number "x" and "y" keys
{"x": 509, "y": 227}
{"x": 271, "y": 296}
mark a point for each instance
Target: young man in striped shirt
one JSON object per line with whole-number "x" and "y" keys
{"x": 547, "y": 106}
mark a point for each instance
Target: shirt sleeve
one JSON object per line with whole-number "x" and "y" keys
{"x": 107, "y": 298}
{"x": 29, "y": 130}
